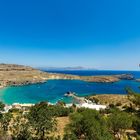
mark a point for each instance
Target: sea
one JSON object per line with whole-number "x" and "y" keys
{"x": 54, "y": 90}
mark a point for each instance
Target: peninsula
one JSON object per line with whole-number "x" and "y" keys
{"x": 16, "y": 75}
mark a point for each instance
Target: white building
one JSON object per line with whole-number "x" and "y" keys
{"x": 93, "y": 106}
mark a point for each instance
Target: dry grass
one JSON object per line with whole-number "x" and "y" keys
{"x": 61, "y": 123}
{"x": 22, "y": 75}
{"x": 107, "y": 99}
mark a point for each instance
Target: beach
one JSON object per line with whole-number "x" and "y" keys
{"x": 22, "y": 84}
{"x": 1, "y": 87}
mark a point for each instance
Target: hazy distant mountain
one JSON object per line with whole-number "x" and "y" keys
{"x": 66, "y": 68}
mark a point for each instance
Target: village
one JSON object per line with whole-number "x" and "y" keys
{"x": 80, "y": 102}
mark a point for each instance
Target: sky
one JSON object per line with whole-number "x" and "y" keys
{"x": 101, "y": 34}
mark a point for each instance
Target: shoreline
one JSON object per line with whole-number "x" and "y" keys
{"x": 98, "y": 79}
{"x": 18, "y": 75}
{"x": 96, "y": 102}
{"x": 1, "y": 87}
{"x": 86, "y": 97}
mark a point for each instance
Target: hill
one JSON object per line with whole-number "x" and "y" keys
{"x": 15, "y": 75}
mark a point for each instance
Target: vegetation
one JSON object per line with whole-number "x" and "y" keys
{"x": 118, "y": 122}
{"x": 5, "y": 122}
{"x": 20, "y": 129}
{"x": 87, "y": 124}
{"x": 1, "y": 106}
{"x": 42, "y": 122}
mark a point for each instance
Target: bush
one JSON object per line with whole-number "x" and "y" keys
{"x": 112, "y": 106}
{"x": 118, "y": 104}
{"x": 118, "y": 122}
{"x": 136, "y": 124}
{"x": 15, "y": 110}
{"x": 87, "y": 124}
{"x": 2, "y": 106}
{"x": 138, "y": 137}
{"x": 60, "y": 111}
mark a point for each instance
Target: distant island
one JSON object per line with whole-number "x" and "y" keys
{"x": 16, "y": 75}
{"x": 66, "y": 68}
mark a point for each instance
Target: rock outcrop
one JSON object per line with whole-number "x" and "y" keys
{"x": 125, "y": 77}
{"x": 138, "y": 80}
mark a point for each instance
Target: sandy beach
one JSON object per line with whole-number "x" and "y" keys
{"x": 1, "y": 87}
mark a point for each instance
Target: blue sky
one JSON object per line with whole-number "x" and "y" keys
{"x": 103, "y": 34}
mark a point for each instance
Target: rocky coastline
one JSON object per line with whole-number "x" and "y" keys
{"x": 138, "y": 80}
{"x": 18, "y": 75}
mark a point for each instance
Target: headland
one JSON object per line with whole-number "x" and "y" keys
{"x": 17, "y": 75}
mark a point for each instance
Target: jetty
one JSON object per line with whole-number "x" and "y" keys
{"x": 82, "y": 102}
{"x": 76, "y": 98}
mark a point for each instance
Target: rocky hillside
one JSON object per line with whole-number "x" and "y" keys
{"x": 20, "y": 75}
{"x": 116, "y": 99}
{"x": 11, "y": 74}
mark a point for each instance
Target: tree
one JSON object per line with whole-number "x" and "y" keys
{"x": 23, "y": 134}
{"x": 129, "y": 91}
{"x": 133, "y": 96}
{"x": 4, "y": 122}
{"x": 118, "y": 122}
{"x": 2, "y": 106}
{"x": 20, "y": 128}
{"x": 88, "y": 124}
{"x": 68, "y": 136}
{"x": 136, "y": 124}
{"x": 61, "y": 103}
{"x": 136, "y": 100}
{"x": 42, "y": 120}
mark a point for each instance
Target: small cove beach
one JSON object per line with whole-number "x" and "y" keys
{"x": 24, "y": 84}
{"x": 54, "y": 90}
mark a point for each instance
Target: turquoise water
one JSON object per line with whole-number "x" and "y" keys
{"x": 54, "y": 90}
